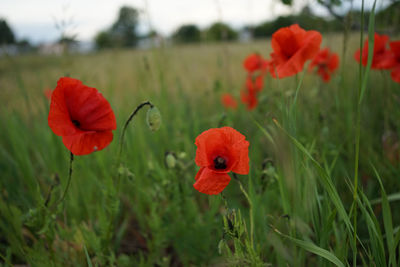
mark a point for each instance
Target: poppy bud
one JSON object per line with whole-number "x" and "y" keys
{"x": 153, "y": 118}
{"x": 182, "y": 155}
{"x": 170, "y": 160}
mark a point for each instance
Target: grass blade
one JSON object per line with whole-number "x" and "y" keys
{"x": 387, "y": 221}
{"x": 325, "y": 180}
{"x": 371, "y": 42}
{"x": 311, "y": 247}
{"x": 89, "y": 262}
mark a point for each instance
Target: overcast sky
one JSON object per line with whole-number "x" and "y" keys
{"x": 36, "y": 19}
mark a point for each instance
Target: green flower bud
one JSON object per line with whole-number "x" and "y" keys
{"x": 170, "y": 160}
{"x": 182, "y": 155}
{"x": 153, "y": 118}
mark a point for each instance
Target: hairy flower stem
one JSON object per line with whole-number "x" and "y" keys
{"x": 121, "y": 143}
{"x": 251, "y": 209}
{"x": 71, "y": 160}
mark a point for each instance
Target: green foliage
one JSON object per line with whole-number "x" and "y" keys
{"x": 220, "y": 32}
{"x": 6, "y": 34}
{"x": 124, "y": 29}
{"x": 123, "y": 32}
{"x": 187, "y": 34}
{"x": 305, "y": 19}
{"x": 104, "y": 40}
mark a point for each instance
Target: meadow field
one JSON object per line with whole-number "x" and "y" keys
{"x": 296, "y": 207}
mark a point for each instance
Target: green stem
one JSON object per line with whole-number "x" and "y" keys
{"x": 251, "y": 209}
{"x": 71, "y": 160}
{"x": 121, "y": 142}
{"x": 357, "y": 136}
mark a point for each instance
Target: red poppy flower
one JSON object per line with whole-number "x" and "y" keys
{"x": 255, "y": 62}
{"x": 220, "y": 151}
{"x": 292, "y": 46}
{"x": 229, "y": 101}
{"x": 382, "y": 58}
{"x": 82, "y": 116}
{"x": 47, "y": 93}
{"x": 395, "y": 49}
{"x": 326, "y": 63}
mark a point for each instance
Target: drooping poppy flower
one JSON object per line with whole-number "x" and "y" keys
{"x": 82, "y": 116}
{"x": 47, "y": 93}
{"x": 292, "y": 46}
{"x": 220, "y": 151}
{"x": 395, "y": 49}
{"x": 382, "y": 57}
{"x": 326, "y": 63}
{"x": 228, "y": 101}
{"x": 255, "y": 62}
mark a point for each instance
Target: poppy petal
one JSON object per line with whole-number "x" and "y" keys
{"x": 59, "y": 119}
{"x": 293, "y": 46}
{"x": 395, "y": 74}
{"x": 87, "y": 105}
{"x": 210, "y": 182}
{"x": 85, "y": 143}
{"x": 242, "y": 165}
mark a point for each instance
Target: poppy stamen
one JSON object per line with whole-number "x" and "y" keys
{"x": 76, "y": 123}
{"x": 219, "y": 163}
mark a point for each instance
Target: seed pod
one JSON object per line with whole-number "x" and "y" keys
{"x": 153, "y": 118}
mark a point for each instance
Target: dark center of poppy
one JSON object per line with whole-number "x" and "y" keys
{"x": 219, "y": 163}
{"x": 76, "y": 123}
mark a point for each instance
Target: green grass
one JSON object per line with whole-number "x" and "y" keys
{"x": 301, "y": 168}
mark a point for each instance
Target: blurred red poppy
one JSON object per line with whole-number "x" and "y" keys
{"x": 255, "y": 62}
{"x": 220, "y": 151}
{"x": 326, "y": 63}
{"x": 47, "y": 93}
{"x": 249, "y": 94}
{"x": 82, "y": 116}
{"x": 382, "y": 58}
{"x": 255, "y": 84}
{"x": 292, "y": 46}
{"x": 395, "y": 49}
{"x": 229, "y": 101}
{"x": 249, "y": 98}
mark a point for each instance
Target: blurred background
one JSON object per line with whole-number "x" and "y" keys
{"x": 56, "y": 27}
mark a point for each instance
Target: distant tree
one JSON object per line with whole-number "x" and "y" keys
{"x": 331, "y": 6}
{"x": 187, "y": 34}
{"x": 6, "y": 34}
{"x": 305, "y": 19}
{"x": 103, "y": 40}
{"x": 123, "y": 31}
{"x": 220, "y": 32}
